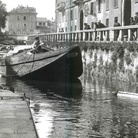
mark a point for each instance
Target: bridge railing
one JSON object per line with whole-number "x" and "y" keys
{"x": 126, "y": 33}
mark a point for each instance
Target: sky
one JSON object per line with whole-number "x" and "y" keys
{"x": 44, "y": 8}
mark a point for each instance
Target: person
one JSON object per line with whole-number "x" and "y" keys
{"x": 86, "y": 27}
{"x": 100, "y": 25}
{"x": 116, "y": 32}
{"x": 24, "y": 42}
{"x": 132, "y": 22}
{"x": 62, "y": 29}
{"x": 136, "y": 18}
{"x": 37, "y": 45}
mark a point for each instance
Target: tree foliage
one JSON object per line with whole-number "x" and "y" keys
{"x": 3, "y": 14}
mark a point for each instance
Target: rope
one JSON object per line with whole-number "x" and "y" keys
{"x": 34, "y": 51}
{"x": 23, "y": 64}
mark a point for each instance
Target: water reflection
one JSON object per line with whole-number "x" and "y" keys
{"x": 47, "y": 101}
{"x": 83, "y": 109}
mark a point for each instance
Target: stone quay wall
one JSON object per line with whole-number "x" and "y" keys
{"x": 115, "y": 60}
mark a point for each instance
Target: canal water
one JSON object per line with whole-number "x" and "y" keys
{"x": 86, "y": 108}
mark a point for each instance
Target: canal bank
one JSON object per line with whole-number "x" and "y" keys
{"x": 15, "y": 117}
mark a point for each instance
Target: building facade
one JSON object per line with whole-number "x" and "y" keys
{"x": 44, "y": 25}
{"x": 41, "y": 21}
{"x": 72, "y": 14}
{"x": 24, "y": 21}
{"x": 21, "y": 21}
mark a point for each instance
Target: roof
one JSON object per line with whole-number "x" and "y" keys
{"x": 40, "y": 19}
{"x": 22, "y": 9}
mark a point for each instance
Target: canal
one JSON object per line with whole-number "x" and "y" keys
{"x": 87, "y": 108}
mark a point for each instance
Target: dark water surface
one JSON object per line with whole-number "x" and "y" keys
{"x": 84, "y": 109}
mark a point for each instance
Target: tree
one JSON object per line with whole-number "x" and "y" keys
{"x": 3, "y": 14}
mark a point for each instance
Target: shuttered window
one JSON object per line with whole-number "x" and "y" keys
{"x": 115, "y": 3}
{"x": 93, "y": 8}
{"x": 107, "y": 22}
{"x": 71, "y": 15}
{"x": 107, "y": 4}
{"x": 92, "y": 25}
{"x": 99, "y": 5}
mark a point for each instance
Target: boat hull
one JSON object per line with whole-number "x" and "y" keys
{"x": 64, "y": 64}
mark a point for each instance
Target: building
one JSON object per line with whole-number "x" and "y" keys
{"x": 72, "y": 14}
{"x": 44, "y": 25}
{"x": 41, "y": 21}
{"x": 21, "y": 21}
{"x": 24, "y": 21}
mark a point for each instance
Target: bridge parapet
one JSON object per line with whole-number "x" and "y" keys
{"x": 126, "y": 33}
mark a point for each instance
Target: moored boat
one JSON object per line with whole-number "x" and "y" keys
{"x": 49, "y": 64}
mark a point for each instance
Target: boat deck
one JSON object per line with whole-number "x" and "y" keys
{"x": 15, "y": 117}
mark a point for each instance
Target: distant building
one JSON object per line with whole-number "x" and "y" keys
{"x": 21, "y": 21}
{"x": 24, "y": 21}
{"x": 45, "y": 26}
{"x": 72, "y": 14}
{"x": 41, "y": 21}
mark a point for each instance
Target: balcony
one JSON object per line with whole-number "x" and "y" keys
{"x": 61, "y": 6}
{"x": 77, "y": 2}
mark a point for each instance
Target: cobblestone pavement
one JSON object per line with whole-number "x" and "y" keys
{"x": 15, "y": 117}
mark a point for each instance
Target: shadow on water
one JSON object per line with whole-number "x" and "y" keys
{"x": 69, "y": 90}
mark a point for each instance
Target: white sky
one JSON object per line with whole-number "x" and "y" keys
{"x": 44, "y": 8}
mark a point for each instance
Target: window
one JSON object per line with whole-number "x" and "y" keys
{"x": 92, "y": 8}
{"x": 40, "y": 23}
{"x": 115, "y": 3}
{"x": 24, "y": 17}
{"x": 75, "y": 27}
{"x": 44, "y": 24}
{"x": 107, "y": 22}
{"x": 71, "y": 15}
{"x": 24, "y": 26}
{"x": 18, "y": 18}
{"x": 116, "y": 19}
{"x": 86, "y": 11}
{"x": 99, "y": 5}
{"x": 71, "y": 28}
{"x": 107, "y": 4}
{"x": 66, "y": 29}
{"x": 92, "y": 25}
